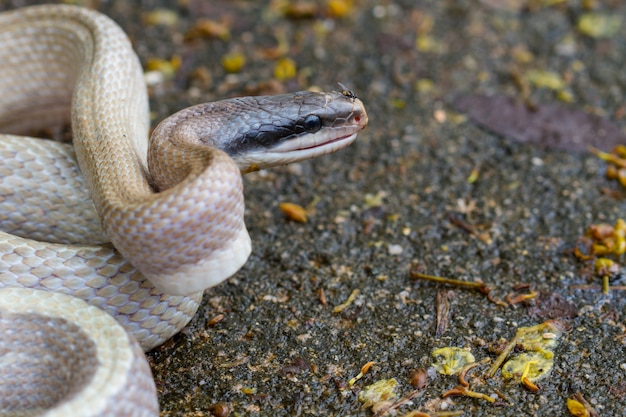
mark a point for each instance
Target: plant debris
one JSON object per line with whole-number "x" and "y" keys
{"x": 579, "y": 407}
{"x": 348, "y": 302}
{"x": 616, "y": 158}
{"x": 599, "y": 240}
{"x": 379, "y": 395}
{"x": 480, "y": 286}
{"x": 549, "y": 125}
{"x": 536, "y": 363}
{"x": 599, "y": 25}
{"x": 294, "y": 212}
{"x": 362, "y": 373}
{"x": 551, "y": 306}
{"x": 418, "y": 378}
{"x": 463, "y": 391}
{"x": 451, "y": 360}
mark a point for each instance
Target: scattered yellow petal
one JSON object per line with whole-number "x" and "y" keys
{"x": 522, "y": 55}
{"x": 167, "y": 68}
{"x": 532, "y": 365}
{"x": 374, "y": 200}
{"x": 576, "y": 408}
{"x": 545, "y": 79}
{"x": 382, "y": 391}
{"x": 473, "y": 176}
{"x": 163, "y": 17}
{"x": 425, "y": 43}
{"x": 579, "y": 407}
{"x": 450, "y": 360}
{"x": 233, "y": 62}
{"x": 565, "y": 96}
{"x": 535, "y": 364}
{"x": 339, "y": 8}
{"x": 393, "y": 217}
{"x": 249, "y": 390}
{"x": 599, "y": 25}
{"x": 397, "y": 103}
{"x": 285, "y": 69}
{"x": 606, "y": 266}
{"x": 424, "y": 85}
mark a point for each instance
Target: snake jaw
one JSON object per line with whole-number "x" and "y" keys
{"x": 290, "y": 152}
{"x": 284, "y": 155}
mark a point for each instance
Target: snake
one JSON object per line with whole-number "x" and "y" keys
{"x": 109, "y": 241}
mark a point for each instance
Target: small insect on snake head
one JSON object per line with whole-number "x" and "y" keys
{"x": 346, "y": 91}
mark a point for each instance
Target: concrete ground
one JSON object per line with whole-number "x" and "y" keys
{"x": 423, "y": 189}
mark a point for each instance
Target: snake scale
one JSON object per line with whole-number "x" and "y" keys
{"x": 112, "y": 224}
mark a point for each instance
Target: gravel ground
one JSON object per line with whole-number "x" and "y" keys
{"x": 423, "y": 189}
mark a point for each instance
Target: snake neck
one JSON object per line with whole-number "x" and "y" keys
{"x": 185, "y": 147}
{"x": 184, "y": 239}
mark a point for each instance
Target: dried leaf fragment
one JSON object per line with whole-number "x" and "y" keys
{"x": 294, "y": 212}
{"x": 463, "y": 391}
{"x": 548, "y": 125}
{"x": 418, "y": 378}
{"x": 206, "y": 28}
{"x": 300, "y": 9}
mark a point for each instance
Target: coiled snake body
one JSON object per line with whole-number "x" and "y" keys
{"x": 174, "y": 213}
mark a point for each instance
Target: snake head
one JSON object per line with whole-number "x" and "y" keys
{"x": 297, "y": 126}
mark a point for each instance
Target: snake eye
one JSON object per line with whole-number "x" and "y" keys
{"x": 312, "y": 123}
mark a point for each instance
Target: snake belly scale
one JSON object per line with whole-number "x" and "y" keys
{"x": 172, "y": 211}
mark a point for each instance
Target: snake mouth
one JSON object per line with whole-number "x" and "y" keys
{"x": 295, "y": 150}
{"x": 343, "y": 140}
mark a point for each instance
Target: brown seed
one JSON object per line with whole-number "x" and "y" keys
{"x": 418, "y": 378}
{"x": 321, "y": 295}
{"x": 219, "y": 410}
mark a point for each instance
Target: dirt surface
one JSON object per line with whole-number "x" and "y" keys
{"x": 422, "y": 189}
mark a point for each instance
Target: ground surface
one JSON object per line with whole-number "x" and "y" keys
{"x": 397, "y": 199}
